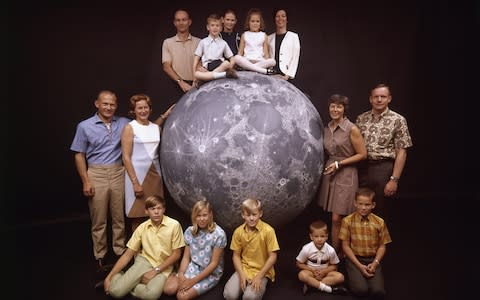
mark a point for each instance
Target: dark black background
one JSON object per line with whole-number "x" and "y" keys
{"x": 58, "y": 56}
{"x": 61, "y": 54}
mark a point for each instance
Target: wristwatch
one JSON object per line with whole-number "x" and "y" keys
{"x": 394, "y": 178}
{"x": 157, "y": 269}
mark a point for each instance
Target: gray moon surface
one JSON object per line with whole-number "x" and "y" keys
{"x": 253, "y": 137}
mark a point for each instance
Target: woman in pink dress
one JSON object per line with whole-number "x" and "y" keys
{"x": 344, "y": 147}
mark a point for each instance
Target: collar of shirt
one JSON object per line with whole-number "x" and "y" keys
{"x": 342, "y": 125}
{"x": 98, "y": 120}
{"x": 378, "y": 117}
{"x": 211, "y": 39}
{"x": 258, "y": 227}
{"x": 177, "y": 39}
{"x": 150, "y": 223}
{"x": 362, "y": 219}
{"x": 321, "y": 250}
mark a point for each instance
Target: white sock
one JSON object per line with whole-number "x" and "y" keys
{"x": 325, "y": 288}
{"x": 217, "y": 75}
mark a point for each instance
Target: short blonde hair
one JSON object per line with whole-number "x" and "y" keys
{"x": 249, "y": 205}
{"x": 214, "y": 18}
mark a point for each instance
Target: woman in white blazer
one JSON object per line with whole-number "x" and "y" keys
{"x": 284, "y": 47}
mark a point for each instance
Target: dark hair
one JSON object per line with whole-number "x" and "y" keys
{"x": 318, "y": 224}
{"x": 276, "y": 10}
{"x": 381, "y": 85}
{"x": 339, "y": 99}
{"x": 365, "y": 191}
{"x": 179, "y": 10}
{"x": 229, "y": 11}
{"x": 254, "y": 11}
{"x": 154, "y": 200}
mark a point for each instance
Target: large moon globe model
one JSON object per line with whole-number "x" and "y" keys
{"x": 253, "y": 137}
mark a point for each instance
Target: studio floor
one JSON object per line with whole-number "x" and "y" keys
{"x": 55, "y": 258}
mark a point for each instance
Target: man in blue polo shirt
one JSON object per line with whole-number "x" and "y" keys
{"x": 98, "y": 160}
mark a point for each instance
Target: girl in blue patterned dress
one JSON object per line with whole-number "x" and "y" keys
{"x": 202, "y": 264}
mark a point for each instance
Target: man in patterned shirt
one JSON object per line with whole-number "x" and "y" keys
{"x": 387, "y": 138}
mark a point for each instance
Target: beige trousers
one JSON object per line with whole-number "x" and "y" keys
{"x": 109, "y": 184}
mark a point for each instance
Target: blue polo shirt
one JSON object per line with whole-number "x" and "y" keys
{"x": 102, "y": 146}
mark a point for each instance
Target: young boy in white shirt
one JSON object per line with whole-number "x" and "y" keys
{"x": 318, "y": 261}
{"x": 212, "y": 58}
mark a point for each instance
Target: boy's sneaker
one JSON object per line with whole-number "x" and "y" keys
{"x": 231, "y": 73}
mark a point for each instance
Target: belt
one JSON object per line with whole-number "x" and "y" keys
{"x": 112, "y": 165}
{"x": 365, "y": 257}
{"x": 380, "y": 160}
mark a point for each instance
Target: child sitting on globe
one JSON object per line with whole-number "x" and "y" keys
{"x": 214, "y": 54}
{"x": 253, "y": 52}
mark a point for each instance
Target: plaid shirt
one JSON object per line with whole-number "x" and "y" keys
{"x": 365, "y": 234}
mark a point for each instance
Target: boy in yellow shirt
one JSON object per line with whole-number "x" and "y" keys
{"x": 254, "y": 245}
{"x": 156, "y": 245}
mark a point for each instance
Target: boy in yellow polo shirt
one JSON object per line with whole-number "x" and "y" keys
{"x": 156, "y": 245}
{"x": 254, "y": 245}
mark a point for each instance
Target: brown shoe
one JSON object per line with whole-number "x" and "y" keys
{"x": 231, "y": 73}
{"x": 99, "y": 285}
{"x": 100, "y": 263}
{"x": 103, "y": 267}
{"x": 305, "y": 289}
{"x": 339, "y": 290}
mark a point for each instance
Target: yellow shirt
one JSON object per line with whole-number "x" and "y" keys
{"x": 254, "y": 247}
{"x": 157, "y": 243}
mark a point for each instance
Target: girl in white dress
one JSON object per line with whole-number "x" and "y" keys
{"x": 253, "y": 52}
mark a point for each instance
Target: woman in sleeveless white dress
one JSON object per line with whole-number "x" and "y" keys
{"x": 140, "y": 141}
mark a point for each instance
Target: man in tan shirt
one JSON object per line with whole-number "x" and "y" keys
{"x": 177, "y": 52}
